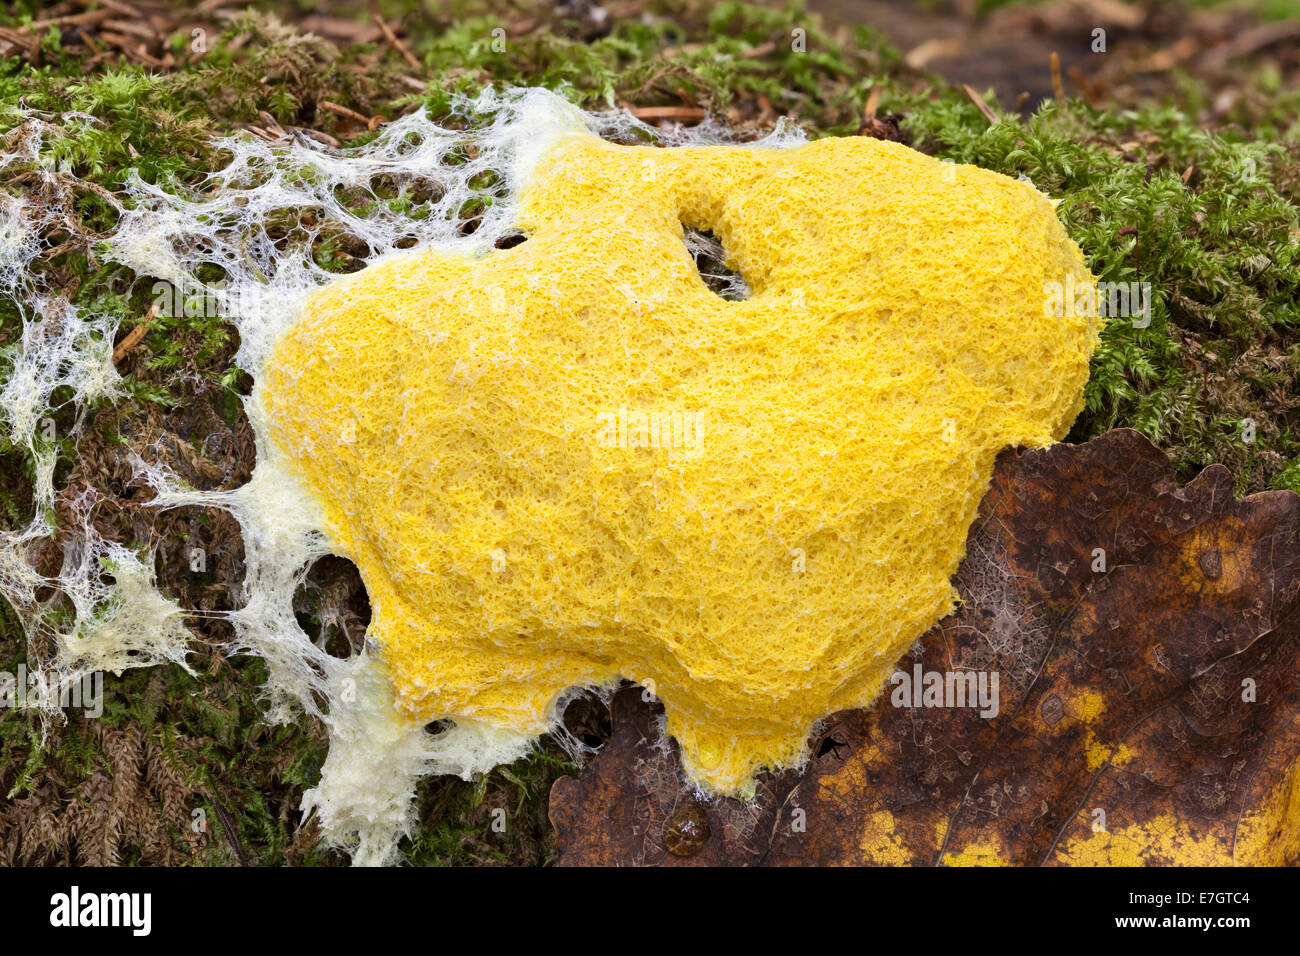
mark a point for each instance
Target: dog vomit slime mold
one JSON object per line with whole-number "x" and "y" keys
{"x": 566, "y": 461}
{"x": 569, "y": 461}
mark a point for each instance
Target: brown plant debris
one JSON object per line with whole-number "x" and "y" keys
{"x": 136, "y": 795}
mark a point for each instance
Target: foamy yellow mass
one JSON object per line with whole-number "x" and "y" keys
{"x": 570, "y": 461}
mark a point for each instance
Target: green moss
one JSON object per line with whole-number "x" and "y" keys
{"x": 1220, "y": 252}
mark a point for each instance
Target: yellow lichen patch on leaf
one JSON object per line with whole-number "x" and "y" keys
{"x": 1099, "y": 754}
{"x": 1086, "y": 706}
{"x": 570, "y": 461}
{"x": 881, "y": 845}
{"x": 850, "y": 779}
{"x": 1270, "y": 834}
{"x": 1266, "y": 835}
{"x": 1163, "y": 840}
{"x": 985, "y": 853}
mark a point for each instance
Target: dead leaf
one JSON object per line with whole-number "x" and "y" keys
{"x": 1147, "y": 710}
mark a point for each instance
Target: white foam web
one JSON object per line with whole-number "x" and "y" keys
{"x": 416, "y": 184}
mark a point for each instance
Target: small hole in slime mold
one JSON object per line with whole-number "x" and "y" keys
{"x": 587, "y": 720}
{"x": 332, "y": 606}
{"x": 710, "y": 261}
{"x": 198, "y": 560}
{"x": 241, "y": 383}
{"x": 510, "y": 241}
{"x": 17, "y": 488}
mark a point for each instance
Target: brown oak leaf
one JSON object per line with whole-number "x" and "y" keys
{"x": 1146, "y": 642}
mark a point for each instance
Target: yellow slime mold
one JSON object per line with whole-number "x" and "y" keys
{"x": 570, "y": 461}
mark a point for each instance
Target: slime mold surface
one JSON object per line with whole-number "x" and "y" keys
{"x": 569, "y": 461}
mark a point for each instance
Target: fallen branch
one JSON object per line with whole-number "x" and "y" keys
{"x": 370, "y": 122}
{"x": 395, "y": 43}
{"x": 134, "y": 337}
{"x": 669, "y": 112}
{"x": 980, "y": 105}
{"x": 873, "y": 100}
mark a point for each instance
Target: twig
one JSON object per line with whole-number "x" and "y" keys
{"x": 1058, "y": 88}
{"x": 302, "y": 132}
{"x": 524, "y": 27}
{"x": 370, "y": 122}
{"x": 72, "y": 20}
{"x": 123, "y": 8}
{"x": 272, "y": 127}
{"x": 395, "y": 43}
{"x": 1250, "y": 41}
{"x": 131, "y": 28}
{"x": 145, "y": 56}
{"x": 231, "y": 832}
{"x": 669, "y": 112}
{"x": 1119, "y": 13}
{"x": 125, "y": 347}
{"x": 869, "y": 108}
{"x": 980, "y": 105}
{"x": 339, "y": 28}
{"x": 919, "y": 56}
